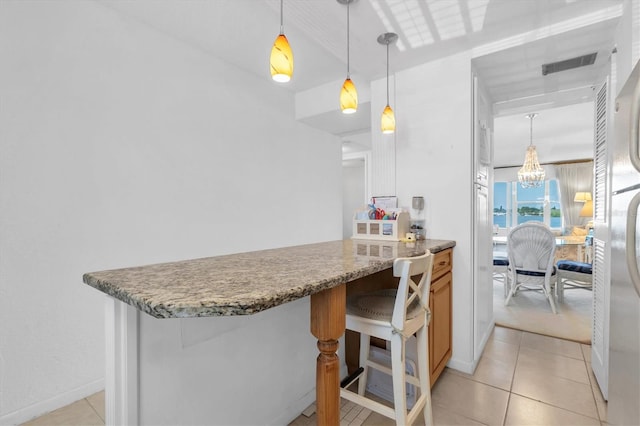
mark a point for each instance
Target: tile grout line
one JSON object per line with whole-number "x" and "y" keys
{"x": 513, "y": 377}
{"x": 443, "y": 408}
{"x": 558, "y": 407}
{"x": 360, "y": 416}
{"x": 593, "y": 391}
{"x": 94, "y": 410}
{"x": 573, "y": 381}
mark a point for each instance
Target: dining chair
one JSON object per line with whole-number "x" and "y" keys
{"x": 572, "y": 274}
{"x": 395, "y": 315}
{"x": 501, "y": 271}
{"x": 531, "y": 249}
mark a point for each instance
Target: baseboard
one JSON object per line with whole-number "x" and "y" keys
{"x": 290, "y": 413}
{"x": 43, "y": 407}
{"x": 469, "y": 367}
{"x": 485, "y": 337}
{"x": 462, "y": 366}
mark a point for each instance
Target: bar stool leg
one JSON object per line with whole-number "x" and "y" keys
{"x": 399, "y": 378}
{"x": 365, "y": 343}
{"x": 424, "y": 375}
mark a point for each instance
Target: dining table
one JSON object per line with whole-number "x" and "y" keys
{"x": 568, "y": 247}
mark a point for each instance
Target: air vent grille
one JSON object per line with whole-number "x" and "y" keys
{"x": 568, "y": 64}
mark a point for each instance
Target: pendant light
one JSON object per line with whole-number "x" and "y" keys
{"x": 531, "y": 175}
{"x": 348, "y": 94}
{"x": 281, "y": 55}
{"x": 388, "y": 120}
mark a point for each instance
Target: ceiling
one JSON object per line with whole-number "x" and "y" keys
{"x": 559, "y": 134}
{"x": 509, "y": 40}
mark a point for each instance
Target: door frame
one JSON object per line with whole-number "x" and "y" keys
{"x": 366, "y": 156}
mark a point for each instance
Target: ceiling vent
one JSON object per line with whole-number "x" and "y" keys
{"x": 568, "y": 64}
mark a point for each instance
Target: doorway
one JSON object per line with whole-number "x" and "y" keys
{"x": 355, "y": 187}
{"x": 562, "y": 135}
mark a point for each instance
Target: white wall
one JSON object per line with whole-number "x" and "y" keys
{"x": 383, "y": 147}
{"x": 122, "y": 146}
{"x": 627, "y": 43}
{"x": 257, "y": 370}
{"x": 433, "y": 154}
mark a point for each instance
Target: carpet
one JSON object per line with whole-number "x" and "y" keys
{"x": 530, "y": 311}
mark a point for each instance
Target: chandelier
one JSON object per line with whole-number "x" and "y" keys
{"x": 531, "y": 175}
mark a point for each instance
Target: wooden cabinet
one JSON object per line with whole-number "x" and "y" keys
{"x": 441, "y": 313}
{"x": 440, "y": 304}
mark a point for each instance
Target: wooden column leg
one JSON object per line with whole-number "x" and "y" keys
{"x": 327, "y": 325}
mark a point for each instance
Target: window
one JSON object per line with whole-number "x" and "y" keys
{"x": 500, "y": 204}
{"x": 513, "y": 205}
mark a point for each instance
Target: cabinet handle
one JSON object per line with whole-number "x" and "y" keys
{"x": 442, "y": 263}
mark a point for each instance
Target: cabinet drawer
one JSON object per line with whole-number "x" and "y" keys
{"x": 441, "y": 263}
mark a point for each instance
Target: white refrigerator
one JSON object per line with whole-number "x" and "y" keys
{"x": 624, "y": 338}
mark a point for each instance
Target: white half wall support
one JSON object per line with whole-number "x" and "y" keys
{"x": 121, "y": 375}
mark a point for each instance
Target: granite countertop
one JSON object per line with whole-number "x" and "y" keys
{"x": 246, "y": 283}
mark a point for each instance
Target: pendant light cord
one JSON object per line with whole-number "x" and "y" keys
{"x": 387, "y": 73}
{"x": 348, "y": 42}
{"x": 281, "y": 17}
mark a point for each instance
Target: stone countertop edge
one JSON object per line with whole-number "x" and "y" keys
{"x": 250, "y": 282}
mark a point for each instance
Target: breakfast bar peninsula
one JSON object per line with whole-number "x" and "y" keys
{"x": 227, "y": 286}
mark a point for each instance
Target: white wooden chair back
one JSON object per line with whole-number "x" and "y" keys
{"x": 411, "y": 296}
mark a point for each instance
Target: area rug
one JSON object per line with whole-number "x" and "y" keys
{"x": 530, "y": 311}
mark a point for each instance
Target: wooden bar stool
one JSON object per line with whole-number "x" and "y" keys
{"x": 395, "y": 315}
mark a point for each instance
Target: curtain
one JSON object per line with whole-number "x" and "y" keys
{"x": 572, "y": 178}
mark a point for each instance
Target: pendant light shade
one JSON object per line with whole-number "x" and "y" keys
{"x": 281, "y": 56}
{"x": 348, "y": 94}
{"x": 348, "y": 97}
{"x": 531, "y": 175}
{"x": 388, "y": 119}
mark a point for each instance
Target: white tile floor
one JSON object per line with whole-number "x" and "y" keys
{"x": 521, "y": 379}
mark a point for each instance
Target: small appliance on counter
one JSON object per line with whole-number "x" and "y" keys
{"x": 417, "y": 222}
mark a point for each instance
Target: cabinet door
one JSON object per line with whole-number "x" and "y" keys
{"x": 440, "y": 326}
